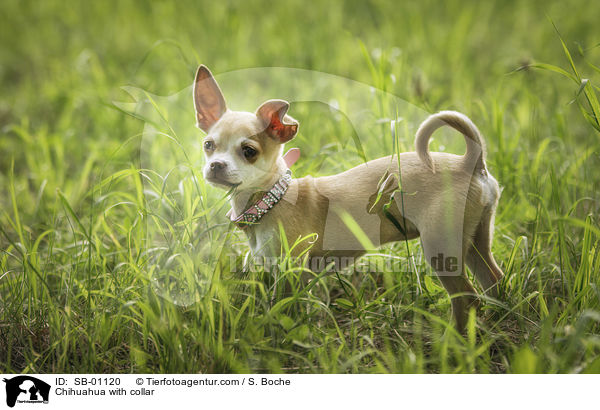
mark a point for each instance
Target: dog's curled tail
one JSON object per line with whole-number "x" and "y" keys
{"x": 475, "y": 146}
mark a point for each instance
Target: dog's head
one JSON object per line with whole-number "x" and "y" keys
{"x": 241, "y": 148}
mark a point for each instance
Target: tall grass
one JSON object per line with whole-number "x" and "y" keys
{"x": 77, "y": 290}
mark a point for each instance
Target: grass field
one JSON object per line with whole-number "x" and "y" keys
{"x": 81, "y": 287}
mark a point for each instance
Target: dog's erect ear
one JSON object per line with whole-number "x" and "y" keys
{"x": 208, "y": 99}
{"x": 277, "y": 124}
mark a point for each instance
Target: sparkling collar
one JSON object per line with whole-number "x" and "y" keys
{"x": 260, "y": 208}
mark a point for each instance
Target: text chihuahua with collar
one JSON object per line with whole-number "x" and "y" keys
{"x": 447, "y": 200}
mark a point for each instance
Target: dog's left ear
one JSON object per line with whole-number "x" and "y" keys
{"x": 208, "y": 99}
{"x": 277, "y": 124}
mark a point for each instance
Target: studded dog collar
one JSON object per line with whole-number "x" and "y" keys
{"x": 253, "y": 214}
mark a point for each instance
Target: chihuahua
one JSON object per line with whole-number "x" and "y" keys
{"x": 447, "y": 200}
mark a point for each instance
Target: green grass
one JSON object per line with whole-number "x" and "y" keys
{"x": 86, "y": 287}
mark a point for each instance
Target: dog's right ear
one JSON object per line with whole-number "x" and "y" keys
{"x": 208, "y": 99}
{"x": 278, "y": 125}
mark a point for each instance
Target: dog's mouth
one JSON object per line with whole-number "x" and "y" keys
{"x": 222, "y": 182}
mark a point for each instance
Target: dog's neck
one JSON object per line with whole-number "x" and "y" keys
{"x": 241, "y": 200}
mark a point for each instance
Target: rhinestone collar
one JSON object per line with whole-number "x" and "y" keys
{"x": 253, "y": 214}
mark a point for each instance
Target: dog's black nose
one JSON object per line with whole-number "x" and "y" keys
{"x": 217, "y": 165}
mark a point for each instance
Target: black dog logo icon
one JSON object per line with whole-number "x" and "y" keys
{"x": 32, "y": 387}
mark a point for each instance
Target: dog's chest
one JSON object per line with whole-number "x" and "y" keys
{"x": 263, "y": 241}
{"x": 300, "y": 215}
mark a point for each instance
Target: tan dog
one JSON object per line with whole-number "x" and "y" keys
{"x": 447, "y": 200}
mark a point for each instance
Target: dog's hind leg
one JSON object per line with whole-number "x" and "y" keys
{"x": 479, "y": 256}
{"x": 446, "y": 257}
{"x": 462, "y": 296}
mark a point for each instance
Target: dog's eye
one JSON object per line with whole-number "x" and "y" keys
{"x": 249, "y": 152}
{"x": 209, "y": 145}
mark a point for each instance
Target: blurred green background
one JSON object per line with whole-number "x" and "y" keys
{"x": 74, "y": 296}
